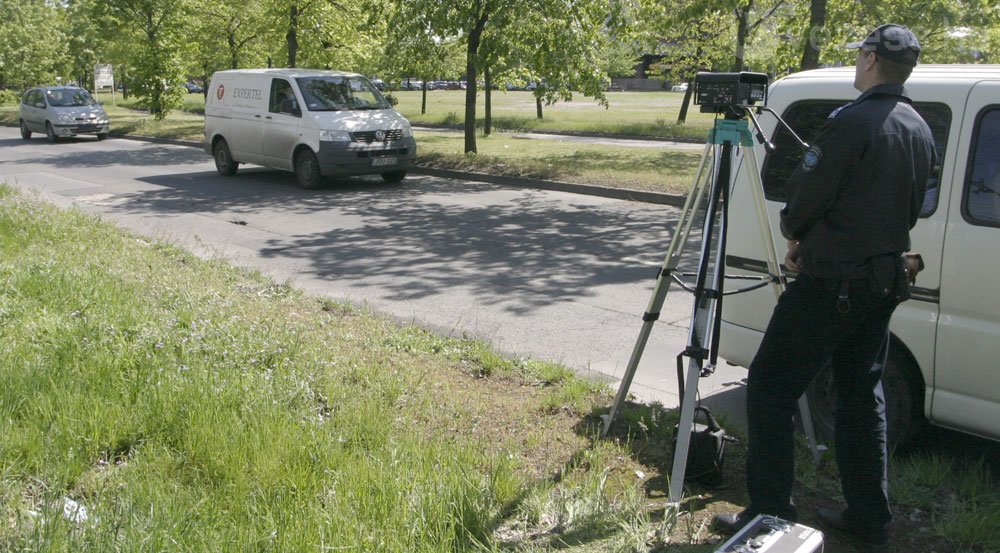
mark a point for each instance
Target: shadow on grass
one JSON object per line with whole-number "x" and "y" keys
{"x": 646, "y": 433}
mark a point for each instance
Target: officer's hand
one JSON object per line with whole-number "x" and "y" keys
{"x": 793, "y": 259}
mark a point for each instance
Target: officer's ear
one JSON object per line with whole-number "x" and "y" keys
{"x": 870, "y": 58}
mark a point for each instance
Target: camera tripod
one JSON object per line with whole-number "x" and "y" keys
{"x": 714, "y": 180}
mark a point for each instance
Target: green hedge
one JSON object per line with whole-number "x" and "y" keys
{"x": 9, "y": 98}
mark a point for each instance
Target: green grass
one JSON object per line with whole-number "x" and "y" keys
{"x": 962, "y": 497}
{"x": 654, "y": 169}
{"x": 189, "y": 406}
{"x": 627, "y": 114}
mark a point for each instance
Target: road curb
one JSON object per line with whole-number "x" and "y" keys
{"x": 575, "y": 188}
{"x": 503, "y": 180}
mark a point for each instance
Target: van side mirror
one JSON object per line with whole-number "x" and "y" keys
{"x": 291, "y": 106}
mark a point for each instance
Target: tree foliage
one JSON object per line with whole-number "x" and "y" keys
{"x": 32, "y": 43}
{"x": 156, "y": 28}
{"x": 569, "y": 46}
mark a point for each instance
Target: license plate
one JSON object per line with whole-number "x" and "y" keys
{"x": 382, "y": 161}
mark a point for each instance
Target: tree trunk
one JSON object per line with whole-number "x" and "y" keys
{"x": 423, "y": 97}
{"x": 471, "y": 52}
{"x": 234, "y": 60}
{"x": 292, "y": 37}
{"x": 488, "y": 102}
{"x": 817, "y": 19}
{"x": 742, "y": 32}
{"x": 538, "y": 107}
{"x": 682, "y": 116}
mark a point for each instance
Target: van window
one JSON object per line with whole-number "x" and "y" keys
{"x": 808, "y": 118}
{"x": 281, "y": 90}
{"x": 328, "y": 93}
{"x": 981, "y": 195}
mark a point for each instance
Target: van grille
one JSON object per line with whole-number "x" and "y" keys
{"x": 370, "y": 136}
{"x": 387, "y": 152}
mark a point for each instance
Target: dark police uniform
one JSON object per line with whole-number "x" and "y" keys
{"x": 851, "y": 204}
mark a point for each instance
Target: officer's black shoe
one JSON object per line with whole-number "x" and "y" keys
{"x": 866, "y": 541}
{"x": 730, "y": 523}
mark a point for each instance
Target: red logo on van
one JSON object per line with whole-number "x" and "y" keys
{"x": 220, "y": 92}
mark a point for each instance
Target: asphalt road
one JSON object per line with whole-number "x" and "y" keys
{"x": 542, "y": 274}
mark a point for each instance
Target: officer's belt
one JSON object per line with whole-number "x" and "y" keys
{"x": 837, "y": 270}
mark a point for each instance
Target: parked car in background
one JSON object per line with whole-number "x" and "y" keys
{"x": 61, "y": 111}
{"x": 378, "y": 83}
{"x": 679, "y": 87}
{"x": 194, "y": 88}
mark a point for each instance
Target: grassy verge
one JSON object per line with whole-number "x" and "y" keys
{"x": 188, "y": 406}
{"x": 628, "y": 113}
{"x": 653, "y": 169}
{"x": 150, "y": 400}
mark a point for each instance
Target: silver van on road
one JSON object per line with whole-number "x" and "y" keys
{"x": 315, "y": 123}
{"x": 61, "y": 111}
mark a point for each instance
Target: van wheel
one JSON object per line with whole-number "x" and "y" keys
{"x": 394, "y": 177}
{"x": 224, "y": 163}
{"x": 307, "y": 170}
{"x": 904, "y": 399}
{"x": 25, "y": 133}
{"x": 102, "y": 136}
{"x": 50, "y": 133}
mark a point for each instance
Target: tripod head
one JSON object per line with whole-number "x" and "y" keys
{"x": 735, "y": 96}
{"x": 729, "y": 93}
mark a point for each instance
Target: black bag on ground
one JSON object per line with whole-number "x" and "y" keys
{"x": 707, "y": 450}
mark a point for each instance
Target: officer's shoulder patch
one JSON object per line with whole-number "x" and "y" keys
{"x": 811, "y": 158}
{"x": 837, "y": 111}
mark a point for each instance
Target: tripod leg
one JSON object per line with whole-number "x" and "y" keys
{"x": 707, "y": 297}
{"x": 694, "y": 197}
{"x": 774, "y": 268}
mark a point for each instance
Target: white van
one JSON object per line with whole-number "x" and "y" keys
{"x": 315, "y": 123}
{"x": 944, "y": 363}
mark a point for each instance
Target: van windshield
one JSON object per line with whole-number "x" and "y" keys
{"x": 340, "y": 94}
{"x": 69, "y": 97}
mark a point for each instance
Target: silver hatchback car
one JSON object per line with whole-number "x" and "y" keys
{"x": 61, "y": 111}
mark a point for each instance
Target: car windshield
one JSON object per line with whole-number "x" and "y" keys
{"x": 69, "y": 97}
{"x": 340, "y": 94}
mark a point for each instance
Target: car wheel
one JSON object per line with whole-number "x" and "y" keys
{"x": 904, "y": 399}
{"x": 102, "y": 136}
{"x": 394, "y": 177}
{"x": 25, "y": 133}
{"x": 50, "y": 133}
{"x": 224, "y": 163}
{"x": 307, "y": 169}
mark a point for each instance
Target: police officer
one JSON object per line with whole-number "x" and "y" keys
{"x": 851, "y": 205}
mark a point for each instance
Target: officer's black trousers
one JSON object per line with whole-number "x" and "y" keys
{"x": 809, "y": 327}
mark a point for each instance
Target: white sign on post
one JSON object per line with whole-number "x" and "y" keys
{"x": 104, "y": 77}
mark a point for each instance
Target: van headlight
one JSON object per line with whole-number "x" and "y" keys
{"x": 407, "y": 132}
{"x": 334, "y": 136}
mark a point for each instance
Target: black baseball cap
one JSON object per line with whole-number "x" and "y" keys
{"x": 892, "y": 42}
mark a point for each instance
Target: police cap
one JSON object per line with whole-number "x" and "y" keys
{"x": 892, "y": 42}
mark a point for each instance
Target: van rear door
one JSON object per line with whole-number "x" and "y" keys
{"x": 247, "y": 95}
{"x": 966, "y": 385}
